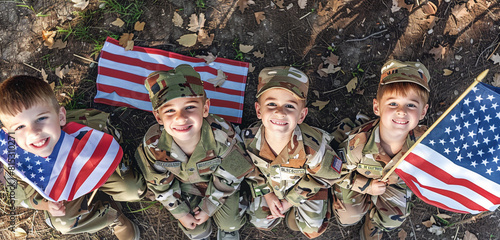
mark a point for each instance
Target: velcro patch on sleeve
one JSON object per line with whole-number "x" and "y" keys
{"x": 337, "y": 164}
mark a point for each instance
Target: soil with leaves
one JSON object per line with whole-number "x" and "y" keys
{"x": 340, "y": 44}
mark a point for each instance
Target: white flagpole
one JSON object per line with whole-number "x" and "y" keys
{"x": 477, "y": 80}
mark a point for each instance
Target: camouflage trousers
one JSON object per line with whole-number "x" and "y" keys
{"x": 311, "y": 217}
{"x": 387, "y": 211}
{"x": 230, "y": 216}
{"x": 82, "y": 217}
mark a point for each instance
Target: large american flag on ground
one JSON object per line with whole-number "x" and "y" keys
{"x": 82, "y": 161}
{"x": 457, "y": 166}
{"x": 120, "y": 81}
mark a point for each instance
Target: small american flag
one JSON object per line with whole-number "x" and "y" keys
{"x": 457, "y": 166}
{"x": 121, "y": 75}
{"x": 82, "y": 161}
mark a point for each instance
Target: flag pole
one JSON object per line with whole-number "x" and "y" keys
{"x": 477, "y": 80}
{"x": 91, "y": 197}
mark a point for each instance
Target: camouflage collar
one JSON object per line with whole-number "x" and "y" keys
{"x": 206, "y": 143}
{"x": 373, "y": 147}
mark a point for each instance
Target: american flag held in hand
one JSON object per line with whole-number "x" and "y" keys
{"x": 120, "y": 81}
{"x": 82, "y": 161}
{"x": 457, "y": 166}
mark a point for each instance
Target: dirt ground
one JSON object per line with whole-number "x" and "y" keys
{"x": 461, "y": 37}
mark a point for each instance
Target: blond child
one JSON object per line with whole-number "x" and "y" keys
{"x": 296, "y": 166}
{"x": 374, "y": 148}
{"x": 31, "y": 115}
{"x": 192, "y": 160}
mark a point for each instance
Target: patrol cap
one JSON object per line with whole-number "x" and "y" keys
{"x": 183, "y": 81}
{"x": 396, "y": 71}
{"x": 285, "y": 77}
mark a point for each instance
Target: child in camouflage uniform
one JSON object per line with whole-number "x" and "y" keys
{"x": 295, "y": 160}
{"x": 30, "y": 113}
{"x": 374, "y": 148}
{"x": 192, "y": 161}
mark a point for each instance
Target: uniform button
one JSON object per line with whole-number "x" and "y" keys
{"x": 255, "y": 162}
{"x": 276, "y": 188}
{"x": 191, "y": 169}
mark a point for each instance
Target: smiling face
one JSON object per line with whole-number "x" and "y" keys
{"x": 36, "y": 129}
{"x": 182, "y": 118}
{"x": 399, "y": 113}
{"x": 280, "y": 111}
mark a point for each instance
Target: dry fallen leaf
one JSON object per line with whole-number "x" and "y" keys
{"x": 82, "y": 4}
{"x": 459, "y": 11}
{"x": 331, "y": 69}
{"x": 177, "y": 20}
{"x": 245, "y": 48}
{"x": 351, "y": 85}
{"x": 19, "y": 232}
{"x": 118, "y": 22}
{"x": 251, "y": 68}
{"x": 258, "y": 54}
{"x": 259, "y": 16}
{"x": 332, "y": 59}
{"x": 48, "y": 38}
{"x": 302, "y": 4}
{"x": 402, "y": 4}
{"x": 139, "y": 26}
{"x": 495, "y": 58}
{"x": 279, "y": 3}
{"x": 124, "y": 38}
{"x": 427, "y": 223}
{"x": 289, "y": 6}
{"x": 438, "y": 52}
{"x": 130, "y": 45}
{"x": 402, "y": 234}
{"x": 320, "y": 71}
{"x": 469, "y": 236}
{"x": 208, "y": 58}
{"x": 470, "y": 4}
{"x": 447, "y": 72}
{"x": 395, "y": 7}
{"x": 44, "y": 75}
{"x": 60, "y": 72}
{"x": 204, "y": 38}
{"x": 243, "y": 4}
{"x": 219, "y": 80}
{"x": 196, "y": 23}
{"x": 59, "y": 44}
{"x": 320, "y": 104}
{"x": 188, "y": 40}
{"x": 444, "y": 216}
{"x": 496, "y": 80}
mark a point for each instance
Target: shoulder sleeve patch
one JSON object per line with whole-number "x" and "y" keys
{"x": 336, "y": 164}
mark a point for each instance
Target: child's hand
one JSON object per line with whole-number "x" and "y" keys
{"x": 377, "y": 187}
{"x": 286, "y": 205}
{"x": 56, "y": 209}
{"x": 188, "y": 221}
{"x": 274, "y": 205}
{"x": 200, "y": 216}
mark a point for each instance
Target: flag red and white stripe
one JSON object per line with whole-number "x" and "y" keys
{"x": 121, "y": 75}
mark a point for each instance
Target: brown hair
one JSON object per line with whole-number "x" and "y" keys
{"x": 21, "y": 92}
{"x": 402, "y": 88}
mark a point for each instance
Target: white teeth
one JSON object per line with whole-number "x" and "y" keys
{"x": 279, "y": 123}
{"x": 39, "y": 144}
{"x": 400, "y": 122}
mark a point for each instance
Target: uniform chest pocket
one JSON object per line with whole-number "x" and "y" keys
{"x": 173, "y": 167}
{"x": 208, "y": 167}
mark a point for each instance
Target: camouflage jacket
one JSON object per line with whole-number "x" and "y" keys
{"x": 365, "y": 158}
{"x": 304, "y": 170}
{"x": 214, "y": 171}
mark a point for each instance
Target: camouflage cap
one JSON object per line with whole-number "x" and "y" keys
{"x": 183, "y": 81}
{"x": 397, "y": 71}
{"x": 285, "y": 77}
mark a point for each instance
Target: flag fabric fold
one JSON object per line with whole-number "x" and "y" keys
{"x": 456, "y": 167}
{"x": 82, "y": 160}
{"x": 121, "y": 75}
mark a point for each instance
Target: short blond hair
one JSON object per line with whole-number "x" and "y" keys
{"x": 403, "y": 88}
